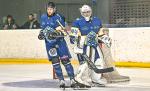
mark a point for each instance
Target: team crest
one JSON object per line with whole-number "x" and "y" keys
{"x": 53, "y": 52}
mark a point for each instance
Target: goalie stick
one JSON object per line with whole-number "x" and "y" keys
{"x": 93, "y": 66}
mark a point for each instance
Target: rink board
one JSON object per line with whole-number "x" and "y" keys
{"x": 128, "y": 45}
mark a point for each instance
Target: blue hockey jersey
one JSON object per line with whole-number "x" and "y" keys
{"x": 47, "y": 21}
{"x": 50, "y": 24}
{"x": 86, "y": 27}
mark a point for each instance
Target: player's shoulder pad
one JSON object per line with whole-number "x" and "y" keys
{"x": 43, "y": 15}
{"x": 96, "y": 19}
{"x": 78, "y": 19}
{"x": 59, "y": 16}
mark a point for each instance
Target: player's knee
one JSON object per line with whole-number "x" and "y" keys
{"x": 65, "y": 61}
{"x": 55, "y": 60}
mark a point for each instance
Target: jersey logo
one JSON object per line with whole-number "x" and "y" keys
{"x": 84, "y": 28}
{"x": 53, "y": 52}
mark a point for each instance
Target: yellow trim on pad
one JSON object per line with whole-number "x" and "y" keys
{"x": 45, "y": 61}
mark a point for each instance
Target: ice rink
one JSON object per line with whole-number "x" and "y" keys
{"x": 38, "y": 77}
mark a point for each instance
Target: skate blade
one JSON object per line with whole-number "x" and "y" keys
{"x": 62, "y": 86}
{"x": 80, "y": 88}
{"x": 80, "y": 85}
{"x": 98, "y": 85}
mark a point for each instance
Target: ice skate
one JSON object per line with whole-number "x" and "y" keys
{"x": 81, "y": 84}
{"x": 62, "y": 84}
{"x": 72, "y": 83}
{"x": 97, "y": 84}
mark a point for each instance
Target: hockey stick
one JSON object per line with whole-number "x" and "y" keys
{"x": 93, "y": 66}
{"x": 62, "y": 26}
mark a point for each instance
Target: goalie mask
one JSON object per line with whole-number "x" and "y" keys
{"x": 86, "y": 12}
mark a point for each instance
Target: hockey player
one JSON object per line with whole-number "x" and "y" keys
{"x": 85, "y": 26}
{"x": 56, "y": 48}
{"x": 82, "y": 27}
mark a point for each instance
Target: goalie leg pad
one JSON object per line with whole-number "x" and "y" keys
{"x": 95, "y": 77}
{"x": 81, "y": 74}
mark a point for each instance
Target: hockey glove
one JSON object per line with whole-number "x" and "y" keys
{"x": 54, "y": 35}
{"x": 41, "y": 35}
